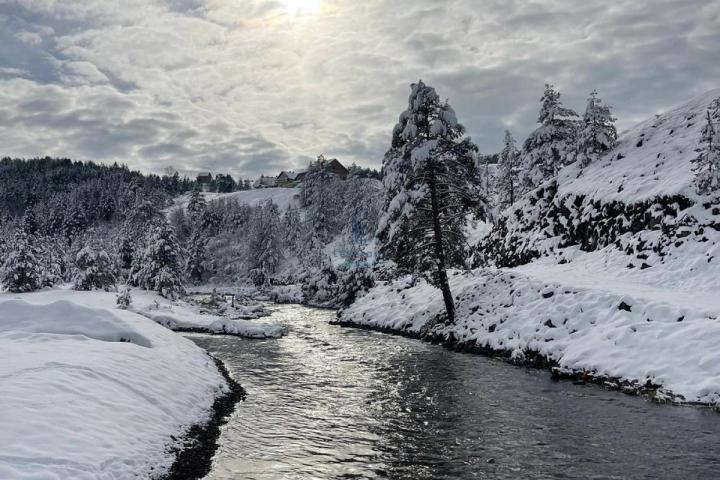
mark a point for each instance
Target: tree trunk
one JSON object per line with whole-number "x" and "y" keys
{"x": 444, "y": 284}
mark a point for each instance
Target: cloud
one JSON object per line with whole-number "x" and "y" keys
{"x": 251, "y": 87}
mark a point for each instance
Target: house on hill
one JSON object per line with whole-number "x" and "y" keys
{"x": 337, "y": 168}
{"x": 204, "y": 181}
{"x": 291, "y": 178}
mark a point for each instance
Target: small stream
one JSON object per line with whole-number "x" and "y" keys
{"x": 327, "y": 402}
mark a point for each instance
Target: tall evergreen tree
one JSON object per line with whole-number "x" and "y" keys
{"x": 197, "y": 205}
{"x": 707, "y": 163}
{"x": 264, "y": 243}
{"x": 430, "y": 183}
{"x": 507, "y": 181}
{"x": 22, "y": 269}
{"x": 197, "y": 250}
{"x": 597, "y": 133}
{"x": 319, "y": 195}
{"x": 552, "y": 145}
{"x": 160, "y": 267}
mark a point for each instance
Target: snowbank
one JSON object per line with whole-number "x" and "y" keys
{"x": 605, "y": 329}
{"x": 182, "y": 316}
{"x": 94, "y": 393}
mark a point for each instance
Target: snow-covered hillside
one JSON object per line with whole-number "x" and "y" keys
{"x": 652, "y": 159}
{"x": 93, "y": 392}
{"x": 611, "y": 271}
{"x": 282, "y": 197}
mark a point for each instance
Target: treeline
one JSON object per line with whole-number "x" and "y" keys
{"x": 228, "y": 241}
{"x": 59, "y": 218}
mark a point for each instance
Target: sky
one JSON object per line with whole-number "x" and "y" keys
{"x": 256, "y": 86}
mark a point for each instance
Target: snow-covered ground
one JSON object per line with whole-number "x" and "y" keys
{"x": 89, "y": 391}
{"x": 599, "y": 325}
{"x": 639, "y": 304}
{"x": 282, "y": 197}
{"x": 182, "y": 316}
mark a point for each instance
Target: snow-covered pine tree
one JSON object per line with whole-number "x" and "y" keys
{"x": 22, "y": 270}
{"x": 196, "y": 206}
{"x": 552, "y": 145}
{"x": 196, "y": 249}
{"x": 507, "y": 178}
{"x": 95, "y": 270}
{"x": 291, "y": 229}
{"x": 487, "y": 180}
{"x": 430, "y": 184}
{"x": 123, "y": 298}
{"x": 597, "y": 133}
{"x": 321, "y": 196}
{"x": 265, "y": 249}
{"x": 160, "y": 267}
{"x": 707, "y": 163}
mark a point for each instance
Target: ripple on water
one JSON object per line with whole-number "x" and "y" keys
{"x": 325, "y": 402}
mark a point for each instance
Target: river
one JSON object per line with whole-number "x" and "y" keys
{"x": 327, "y": 402}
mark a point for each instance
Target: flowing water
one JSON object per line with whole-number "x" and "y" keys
{"x": 327, "y": 402}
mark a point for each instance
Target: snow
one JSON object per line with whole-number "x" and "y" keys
{"x": 282, "y": 197}
{"x": 180, "y": 315}
{"x": 641, "y": 307}
{"x": 655, "y": 158}
{"x": 94, "y": 392}
{"x": 668, "y": 338}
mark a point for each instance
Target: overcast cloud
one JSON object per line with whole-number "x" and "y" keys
{"x": 255, "y": 86}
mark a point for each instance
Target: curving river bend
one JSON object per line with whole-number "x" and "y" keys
{"x": 327, "y": 402}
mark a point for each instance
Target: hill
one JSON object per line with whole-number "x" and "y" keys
{"x": 607, "y": 273}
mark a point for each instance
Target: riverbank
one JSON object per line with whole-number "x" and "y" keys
{"x": 641, "y": 342}
{"x": 91, "y": 391}
{"x": 193, "y": 457}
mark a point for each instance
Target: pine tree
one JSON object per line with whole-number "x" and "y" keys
{"x": 707, "y": 164}
{"x": 552, "y": 145}
{"x": 95, "y": 270}
{"x": 160, "y": 267}
{"x": 430, "y": 183}
{"x": 123, "y": 298}
{"x": 507, "y": 181}
{"x": 22, "y": 270}
{"x": 320, "y": 195}
{"x": 197, "y": 244}
{"x": 597, "y": 133}
{"x": 197, "y": 205}
{"x": 264, "y": 244}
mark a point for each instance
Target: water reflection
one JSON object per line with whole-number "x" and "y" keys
{"x": 326, "y": 402}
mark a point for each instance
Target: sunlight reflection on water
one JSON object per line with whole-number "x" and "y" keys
{"x": 331, "y": 402}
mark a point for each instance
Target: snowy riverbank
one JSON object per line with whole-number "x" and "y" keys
{"x": 91, "y": 392}
{"x": 640, "y": 340}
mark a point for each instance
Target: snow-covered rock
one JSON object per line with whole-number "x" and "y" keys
{"x": 93, "y": 392}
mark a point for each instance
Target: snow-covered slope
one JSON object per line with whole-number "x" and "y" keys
{"x": 282, "y": 197}
{"x": 610, "y": 271}
{"x": 94, "y": 393}
{"x": 652, "y": 159}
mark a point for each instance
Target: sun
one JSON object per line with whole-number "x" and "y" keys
{"x": 295, "y": 7}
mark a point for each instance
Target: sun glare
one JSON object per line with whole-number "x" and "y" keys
{"x": 295, "y": 7}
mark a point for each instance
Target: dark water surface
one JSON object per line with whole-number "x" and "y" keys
{"x": 327, "y": 402}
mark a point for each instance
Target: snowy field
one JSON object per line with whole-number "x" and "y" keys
{"x": 282, "y": 197}
{"x": 93, "y": 392}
